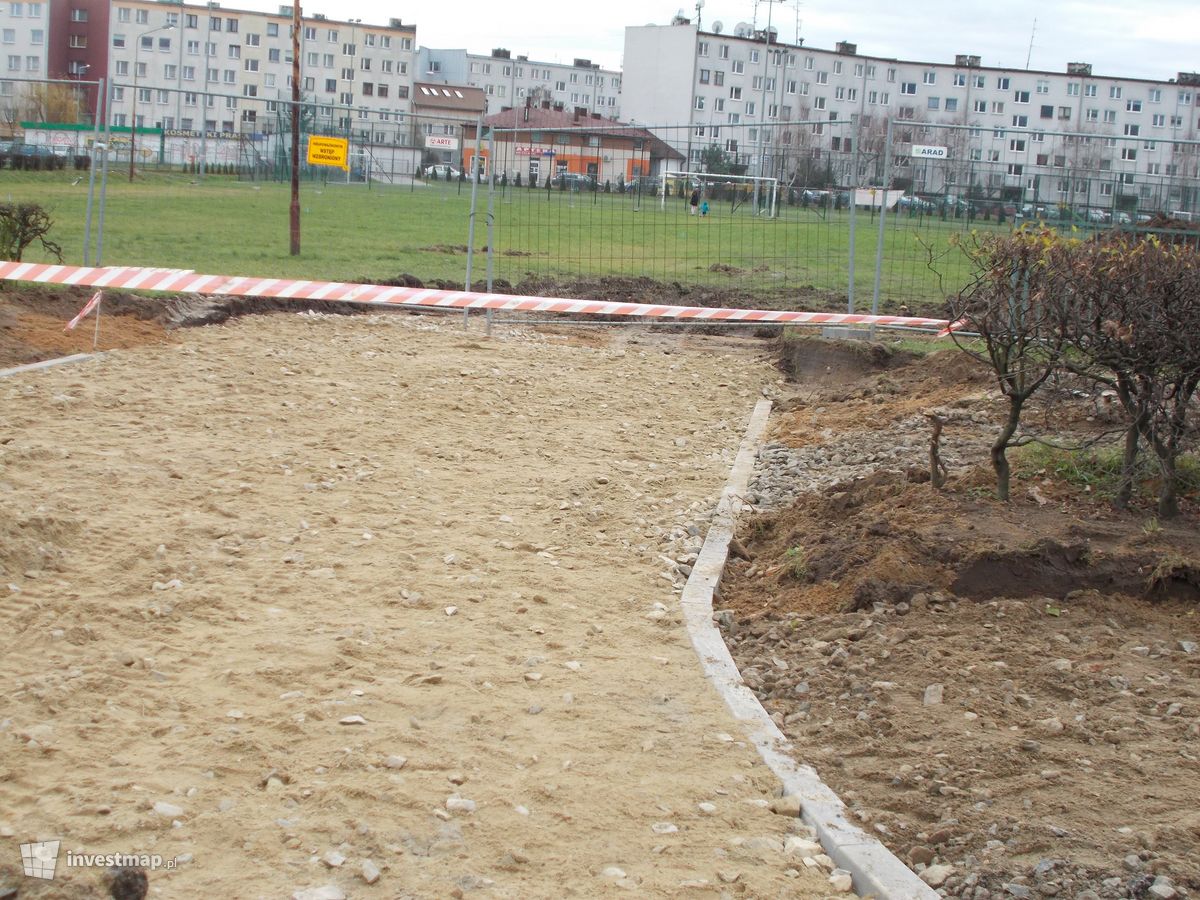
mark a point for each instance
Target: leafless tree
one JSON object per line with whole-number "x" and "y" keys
{"x": 1136, "y": 329}
{"x": 1013, "y": 304}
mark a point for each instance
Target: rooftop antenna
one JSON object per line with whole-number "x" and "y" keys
{"x": 699, "y": 6}
{"x": 1029, "y": 55}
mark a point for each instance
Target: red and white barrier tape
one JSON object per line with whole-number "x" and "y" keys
{"x": 183, "y": 281}
{"x": 91, "y": 304}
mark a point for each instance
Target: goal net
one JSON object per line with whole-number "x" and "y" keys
{"x": 757, "y": 193}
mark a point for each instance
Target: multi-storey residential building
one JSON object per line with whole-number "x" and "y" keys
{"x": 23, "y": 34}
{"x": 1068, "y": 137}
{"x": 508, "y": 82}
{"x": 206, "y": 67}
{"x": 78, "y": 45}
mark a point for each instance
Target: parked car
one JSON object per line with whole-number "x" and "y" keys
{"x": 643, "y": 184}
{"x": 442, "y": 171}
{"x": 572, "y": 181}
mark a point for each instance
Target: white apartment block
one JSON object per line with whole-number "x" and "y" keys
{"x": 1070, "y": 137}
{"x": 23, "y": 32}
{"x": 509, "y": 82}
{"x": 204, "y": 67}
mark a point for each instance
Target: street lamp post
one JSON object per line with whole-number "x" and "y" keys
{"x": 137, "y": 49}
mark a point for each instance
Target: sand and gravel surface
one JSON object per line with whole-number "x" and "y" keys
{"x": 368, "y": 604}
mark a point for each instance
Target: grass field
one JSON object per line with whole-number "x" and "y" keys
{"x": 349, "y": 233}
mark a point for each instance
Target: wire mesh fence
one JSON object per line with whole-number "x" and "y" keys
{"x": 846, "y": 212}
{"x": 860, "y": 213}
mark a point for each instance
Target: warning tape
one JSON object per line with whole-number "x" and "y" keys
{"x": 185, "y": 281}
{"x": 91, "y": 304}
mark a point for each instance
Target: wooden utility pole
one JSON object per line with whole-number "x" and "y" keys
{"x": 295, "y": 207}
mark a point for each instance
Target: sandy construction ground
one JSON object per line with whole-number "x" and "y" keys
{"x": 304, "y": 600}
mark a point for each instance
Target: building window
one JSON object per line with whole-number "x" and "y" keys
{"x": 1115, "y": 91}
{"x": 1133, "y": 106}
{"x": 908, "y": 87}
{"x": 79, "y": 15}
{"x": 1021, "y": 96}
{"x": 931, "y": 77}
{"x": 737, "y": 67}
{"x": 142, "y": 17}
{"x": 1002, "y": 83}
{"x": 1043, "y": 86}
{"x": 960, "y": 79}
{"x": 704, "y": 76}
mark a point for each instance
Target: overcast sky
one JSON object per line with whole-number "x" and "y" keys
{"x": 1133, "y": 38}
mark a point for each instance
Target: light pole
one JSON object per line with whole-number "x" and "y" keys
{"x": 137, "y": 49}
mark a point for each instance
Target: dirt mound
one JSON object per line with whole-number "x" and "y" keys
{"x": 885, "y": 538}
{"x": 807, "y": 358}
{"x": 33, "y": 320}
{"x": 1055, "y": 570}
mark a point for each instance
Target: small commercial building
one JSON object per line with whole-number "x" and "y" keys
{"x": 539, "y": 142}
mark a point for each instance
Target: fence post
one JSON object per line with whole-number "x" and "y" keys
{"x": 203, "y": 131}
{"x": 471, "y": 218}
{"x": 87, "y": 222}
{"x": 856, "y": 120}
{"x": 887, "y": 179}
{"x": 491, "y": 216}
{"x": 104, "y": 171}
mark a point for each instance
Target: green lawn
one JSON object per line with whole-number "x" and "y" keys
{"x": 349, "y": 232}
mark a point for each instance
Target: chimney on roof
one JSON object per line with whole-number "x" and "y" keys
{"x": 1189, "y": 79}
{"x": 501, "y": 53}
{"x": 1079, "y": 68}
{"x": 966, "y": 61}
{"x": 846, "y": 48}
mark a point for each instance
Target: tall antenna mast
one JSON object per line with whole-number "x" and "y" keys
{"x": 1029, "y": 55}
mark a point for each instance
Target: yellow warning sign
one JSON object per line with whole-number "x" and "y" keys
{"x": 328, "y": 151}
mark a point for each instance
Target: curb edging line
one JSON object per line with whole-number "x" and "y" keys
{"x": 875, "y": 870}
{"x": 47, "y": 363}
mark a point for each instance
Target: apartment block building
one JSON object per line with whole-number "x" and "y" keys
{"x": 188, "y": 67}
{"x": 24, "y": 29}
{"x": 508, "y": 82}
{"x": 1060, "y": 137}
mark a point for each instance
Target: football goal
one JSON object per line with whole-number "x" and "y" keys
{"x": 760, "y": 193}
